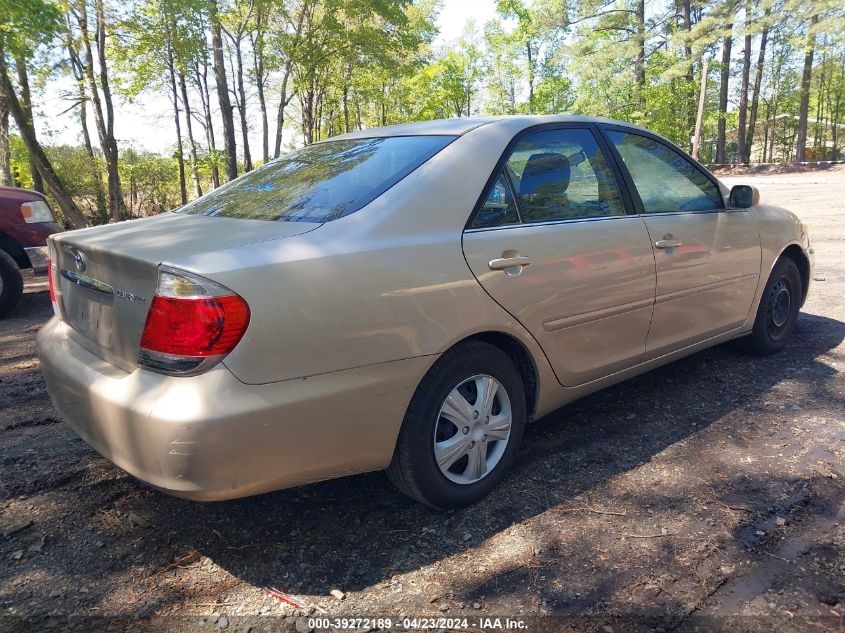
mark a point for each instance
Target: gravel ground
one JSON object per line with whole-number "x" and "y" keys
{"x": 706, "y": 494}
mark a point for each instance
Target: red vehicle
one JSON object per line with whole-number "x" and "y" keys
{"x": 25, "y": 223}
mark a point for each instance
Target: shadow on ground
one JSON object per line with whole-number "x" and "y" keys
{"x": 358, "y": 531}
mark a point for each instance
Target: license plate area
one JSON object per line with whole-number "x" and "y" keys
{"x": 88, "y": 306}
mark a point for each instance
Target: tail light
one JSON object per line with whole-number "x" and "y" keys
{"x": 192, "y": 324}
{"x": 51, "y": 273}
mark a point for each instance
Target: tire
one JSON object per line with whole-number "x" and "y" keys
{"x": 11, "y": 284}
{"x": 470, "y": 369}
{"x": 778, "y": 310}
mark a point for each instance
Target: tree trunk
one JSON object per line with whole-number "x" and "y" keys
{"x": 104, "y": 122}
{"x": 806, "y": 76}
{"x": 755, "y": 98}
{"x": 260, "y": 80}
{"x": 205, "y": 97}
{"x": 284, "y": 100}
{"x": 835, "y": 111}
{"x": 223, "y": 93}
{"x": 5, "y": 150}
{"x": 691, "y": 103}
{"x": 530, "y": 80}
{"x": 775, "y": 90}
{"x": 702, "y": 99}
{"x": 26, "y": 104}
{"x": 818, "y": 128}
{"x": 67, "y": 206}
{"x": 241, "y": 103}
{"x": 180, "y": 151}
{"x": 723, "y": 91}
{"x": 189, "y": 126}
{"x": 639, "y": 62}
{"x": 306, "y": 8}
{"x": 743, "y": 90}
{"x": 102, "y": 213}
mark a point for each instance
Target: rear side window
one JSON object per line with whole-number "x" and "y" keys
{"x": 665, "y": 180}
{"x": 558, "y": 174}
{"x": 498, "y": 208}
{"x": 321, "y": 182}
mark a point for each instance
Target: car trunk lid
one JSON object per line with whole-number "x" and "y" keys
{"x": 106, "y": 276}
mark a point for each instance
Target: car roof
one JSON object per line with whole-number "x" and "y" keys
{"x": 17, "y": 193}
{"x": 461, "y": 125}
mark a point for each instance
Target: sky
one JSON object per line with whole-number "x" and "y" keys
{"x": 147, "y": 123}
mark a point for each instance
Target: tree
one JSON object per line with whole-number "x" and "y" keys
{"x": 26, "y": 106}
{"x": 103, "y": 109}
{"x": 101, "y": 214}
{"x": 5, "y": 149}
{"x": 743, "y": 90}
{"x": 723, "y": 83}
{"x": 20, "y": 27}
{"x": 758, "y": 80}
{"x": 235, "y": 24}
{"x": 806, "y": 76}
{"x": 223, "y": 92}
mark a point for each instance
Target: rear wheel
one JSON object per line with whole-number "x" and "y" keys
{"x": 11, "y": 283}
{"x": 462, "y": 429}
{"x": 778, "y": 310}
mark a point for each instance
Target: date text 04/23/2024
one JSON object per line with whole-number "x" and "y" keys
{"x": 422, "y": 623}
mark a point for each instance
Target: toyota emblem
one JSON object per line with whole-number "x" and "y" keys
{"x": 79, "y": 260}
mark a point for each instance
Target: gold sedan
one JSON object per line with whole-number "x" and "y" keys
{"x": 405, "y": 298}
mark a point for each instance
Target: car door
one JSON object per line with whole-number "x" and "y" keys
{"x": 707, "y": 257}
{"x": 552, "y": 243}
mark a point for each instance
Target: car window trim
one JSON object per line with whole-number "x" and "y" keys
{"x": 629, "y": 181}
{"x": 627, "y": 204}
{"x": 528, "y": 225}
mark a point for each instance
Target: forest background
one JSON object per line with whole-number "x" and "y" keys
{"x": 247, "y": 80}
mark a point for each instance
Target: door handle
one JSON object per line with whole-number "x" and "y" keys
{"x": 668, "y": 243}
{"x": 503, "y": 263}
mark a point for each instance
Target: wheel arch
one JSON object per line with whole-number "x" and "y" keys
{"x": 14, "y": 250}
{"x": 521, "y": 357}
{"x": 796, "y": 254}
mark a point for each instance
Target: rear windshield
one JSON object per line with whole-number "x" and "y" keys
{"x": 320, "y": 182}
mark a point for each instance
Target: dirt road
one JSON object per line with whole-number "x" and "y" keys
{"x": 709, "y": 492}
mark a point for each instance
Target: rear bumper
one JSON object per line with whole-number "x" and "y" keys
{"x": 38, "y": 256}
{"x": 211, "y": 437}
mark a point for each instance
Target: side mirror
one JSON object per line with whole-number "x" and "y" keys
{"x": 743, "y": 197}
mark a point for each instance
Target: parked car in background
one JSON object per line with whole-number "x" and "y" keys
{"x": 405, "y": 298}
{"x": 26, "y": 222}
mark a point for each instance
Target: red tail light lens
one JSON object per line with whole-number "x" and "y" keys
{"x": 195, "y": 327}
{"x": 52, "y": 283}
{"x": 192, "y": 324}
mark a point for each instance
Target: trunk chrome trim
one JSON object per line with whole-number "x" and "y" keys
{"x": 87, "y": 282}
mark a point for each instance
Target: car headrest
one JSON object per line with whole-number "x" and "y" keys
{"x": 542, "y": 169}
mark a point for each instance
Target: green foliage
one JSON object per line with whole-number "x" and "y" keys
{"x": 341, "y": 65}
{"x": 24, "y": 24}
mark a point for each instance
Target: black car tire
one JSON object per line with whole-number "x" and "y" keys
{"x": 778, "y": 310}
{"x": 11, "y": 284}
{"x": 414, "y": 469}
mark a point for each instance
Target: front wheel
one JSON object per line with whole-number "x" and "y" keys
{"x": 462, "y": 429}
{"x": 778, "y": 309}
{"x": 11, "y": 283}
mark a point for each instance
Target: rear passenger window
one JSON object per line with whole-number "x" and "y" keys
{"x": 561, "y": 175}
{"x": 499, "y": 208}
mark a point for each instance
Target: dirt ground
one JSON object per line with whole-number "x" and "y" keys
{"x": 709, "y": 494}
